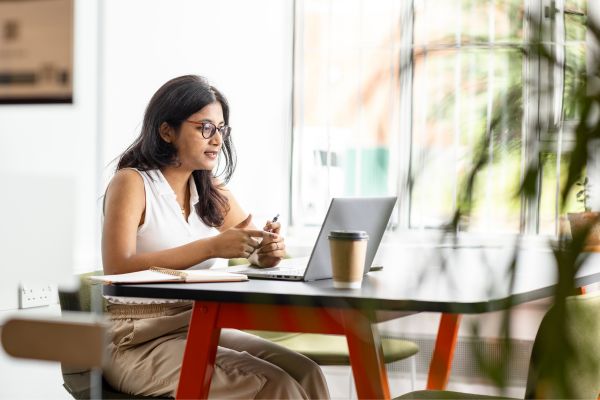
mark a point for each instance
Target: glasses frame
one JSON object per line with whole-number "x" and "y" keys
{"x": 224, "y": 130}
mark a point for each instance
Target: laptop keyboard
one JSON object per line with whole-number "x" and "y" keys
{"x": 280, "y": 271}
{"x": 293, "y": 266}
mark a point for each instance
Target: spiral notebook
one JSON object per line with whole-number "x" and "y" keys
{"x": 158, "y": 275}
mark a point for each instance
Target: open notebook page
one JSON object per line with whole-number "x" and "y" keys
{"x": 149, "y": 276}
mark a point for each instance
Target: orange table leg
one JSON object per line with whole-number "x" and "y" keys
{"x": 200, "y": 352}
{"x": 441, "y": 361}
{"x": 366, "y": 356}
{"x": 208, "y": 318}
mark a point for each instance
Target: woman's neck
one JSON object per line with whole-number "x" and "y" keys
{"x": 178, "y": 180}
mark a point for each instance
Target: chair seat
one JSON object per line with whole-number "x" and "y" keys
{"x": 333, "y": 349}
{"x": 447, "y": 395}
{"x": 79, "y": 386}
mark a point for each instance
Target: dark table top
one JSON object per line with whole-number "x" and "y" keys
{"x": 443, "y": 280}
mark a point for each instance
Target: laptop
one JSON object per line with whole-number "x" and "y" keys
{"x": 370, "y": 214}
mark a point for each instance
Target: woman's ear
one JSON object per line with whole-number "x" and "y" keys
{"x": 167, "y": 133}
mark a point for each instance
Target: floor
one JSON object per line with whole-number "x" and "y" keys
{"x": 25, "y": 380}
{"x": 338, "y": 379}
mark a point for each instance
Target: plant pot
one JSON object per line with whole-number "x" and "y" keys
{"x": 589, "y": 220}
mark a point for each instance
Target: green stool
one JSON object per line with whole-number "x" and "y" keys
{"x": 333, "y": 349}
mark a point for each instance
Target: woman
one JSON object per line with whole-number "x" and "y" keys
{"x": 164, "y": 207}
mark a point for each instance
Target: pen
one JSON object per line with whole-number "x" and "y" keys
{"x": 275, "y": 218}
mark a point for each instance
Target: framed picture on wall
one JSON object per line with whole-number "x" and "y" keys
{"x": 36, "y": 51}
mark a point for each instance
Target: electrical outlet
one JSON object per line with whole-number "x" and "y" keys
{"x": 36, "y": 295}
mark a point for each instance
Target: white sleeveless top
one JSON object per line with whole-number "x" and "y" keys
{"x": 165, "y": 226}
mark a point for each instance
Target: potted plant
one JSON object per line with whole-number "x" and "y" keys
{"x": 585, "y": 222}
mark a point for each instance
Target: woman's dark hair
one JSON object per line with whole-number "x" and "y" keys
{"x": 173, "y": 103}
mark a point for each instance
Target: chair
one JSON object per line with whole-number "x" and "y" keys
{"x": 80, "y": 382}
{"x": 333, "y": 349}
{"x": 565, "y": 360}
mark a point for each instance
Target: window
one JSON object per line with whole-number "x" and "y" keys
{"x": 566, "y": 30}
{"x": 396, "y": 97}
{"x": 346, "y": 102}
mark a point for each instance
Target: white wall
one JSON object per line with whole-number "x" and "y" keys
{"x": 59, "y": 140}
{"x": 243, "y": 48}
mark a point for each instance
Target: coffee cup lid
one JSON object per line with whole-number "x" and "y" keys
{"x": 349, "y": 235}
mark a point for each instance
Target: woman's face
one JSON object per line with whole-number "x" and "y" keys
{"x": 193, "y": 150}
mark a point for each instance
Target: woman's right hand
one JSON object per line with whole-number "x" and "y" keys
{"x": 239, "y": 242}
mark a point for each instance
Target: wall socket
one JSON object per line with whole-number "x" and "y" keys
{"x": 37, "y": 295}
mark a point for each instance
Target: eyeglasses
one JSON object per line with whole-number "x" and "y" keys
{"x": 209, "y": 129}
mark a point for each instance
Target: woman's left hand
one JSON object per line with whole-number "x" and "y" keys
{"x": 271, "y": 250}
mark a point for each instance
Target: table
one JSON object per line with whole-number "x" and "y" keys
{"x": 450, "y": 281}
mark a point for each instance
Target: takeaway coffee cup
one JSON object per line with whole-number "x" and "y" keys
{"x": 348, "y": 251}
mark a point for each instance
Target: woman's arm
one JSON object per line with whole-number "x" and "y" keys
{"x": 236, "y": 214}
{"x": 124, "y": 213}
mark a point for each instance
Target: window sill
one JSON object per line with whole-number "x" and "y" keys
{"x": 300, "y": 240}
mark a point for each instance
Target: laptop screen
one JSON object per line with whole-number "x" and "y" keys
{"x": 370, "y": 214}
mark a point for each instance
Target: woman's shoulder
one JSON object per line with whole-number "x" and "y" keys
{"x": 125, "y": 187}
{"x": 128, "y": 175}
{"x": 127, "y": 179}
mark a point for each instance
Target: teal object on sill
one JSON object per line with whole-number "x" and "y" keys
{"x": 374, "y": 167}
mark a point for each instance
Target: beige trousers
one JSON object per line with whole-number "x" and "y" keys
{"x": 147, "y": 348}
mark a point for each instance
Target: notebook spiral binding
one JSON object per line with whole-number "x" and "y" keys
{"x": 168, "y": 271}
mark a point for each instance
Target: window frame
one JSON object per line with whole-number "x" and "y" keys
{"x": 539, "y": 114}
